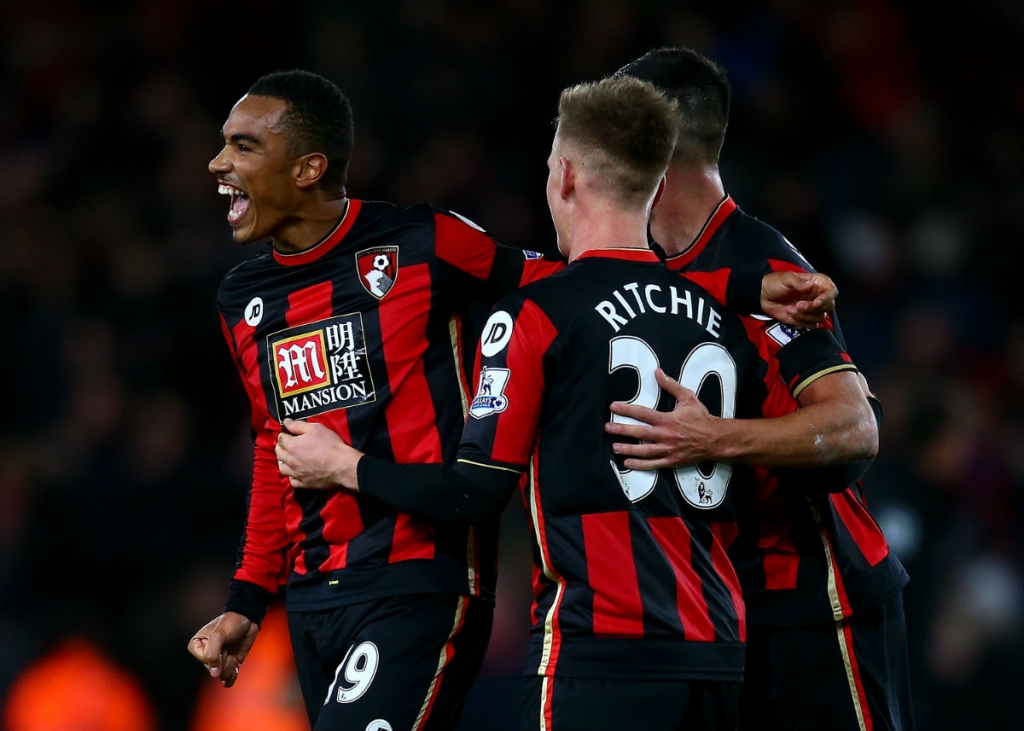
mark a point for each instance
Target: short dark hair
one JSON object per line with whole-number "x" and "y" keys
{"x": 625, "y": 128}
{"x": 318, "y": 118}
{"x": 701, "y": 88}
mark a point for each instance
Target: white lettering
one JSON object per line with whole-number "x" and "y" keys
{"x": 646, "y": 301}
{"x": 650, "y": 302}
{"x": 622, "y": 301}
{"x": 676, "y": 299}
{"x": 607, "y": 311}
{"x": 714, "y": 320}
{"x": 634, "y": 288}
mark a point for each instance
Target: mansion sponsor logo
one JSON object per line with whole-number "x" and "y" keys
{"x": 320, "y": 366}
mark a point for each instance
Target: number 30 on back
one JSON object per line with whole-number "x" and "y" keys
{"x": 706, "y": 360}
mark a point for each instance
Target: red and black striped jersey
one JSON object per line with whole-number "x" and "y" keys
{"x": 802, "y": 555}
{"x": 364, "y": 332}
{"x": 631, "y": 577}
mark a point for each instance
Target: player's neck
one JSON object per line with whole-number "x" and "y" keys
{"x": 608, "y": 228}
{"x": 311, "y": 226}
{"x": 691, "y": 195}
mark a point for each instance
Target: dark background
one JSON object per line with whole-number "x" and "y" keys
{"x": 885, "y": 139}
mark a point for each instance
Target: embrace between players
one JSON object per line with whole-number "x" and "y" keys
{"x": 696, "y": 564}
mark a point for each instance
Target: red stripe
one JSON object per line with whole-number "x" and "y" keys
{"x": 714, "y": 282}
{"x": 780, "y": 570}
{"x": 249, "y": 369}
{"x": 449, "y": 653}
{"x": 725, "y": 534}
{"x": 515, "y": 432}
{"x": 624, "y": 254}
{"x": 861, "y": 527}
{"x": 414, "y": 538}
{"x": 258, "y": 560}
{"x": 780, "y": 560}
{"x": 861, "y": 698}
{"x": 611, "y": 573}
{"x": 534, "y": 269}
{"x": 556, "y": 628}
{"x": 332, "y": 240}
{"x": 463, "y": 246}
{"x": 714, "y": 222}
{"x": 549, "y": 703}
{"x": 673, "y": 536}
{"x": 404, "y": 312}
{"x": 309, "y": 304}
{"x": 342, "y": 523}
{"x": 535, "y": 583}
{"x": 340, "y": 518}
{"x": 412, "y": 425}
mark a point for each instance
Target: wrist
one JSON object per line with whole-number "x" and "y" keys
{"x": 346, "y": 470}
{"x": 726, "y": 442}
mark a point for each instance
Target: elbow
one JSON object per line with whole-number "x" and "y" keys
{"x": 864, "y": 437}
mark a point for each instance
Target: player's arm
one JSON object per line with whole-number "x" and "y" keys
{"x": 477, "y": 266}
{"x": 835, "y": 426}
{"x": 262, "y": 566}
{"x": 313, "y": 456}
{"x": 794, "y": 297}
{"x": 496, "y": 443}
{"x": 224, "y": 642}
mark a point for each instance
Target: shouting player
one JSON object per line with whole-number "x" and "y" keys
{"x": 352, "y": 319}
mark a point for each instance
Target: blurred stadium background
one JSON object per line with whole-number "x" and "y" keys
{"x": 885, "y": 138}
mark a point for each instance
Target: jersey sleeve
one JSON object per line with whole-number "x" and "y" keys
{"x": 809, "y": 354}
{"x": 472, "y": 262}
{"x": 503, "y": 417}
{"x": 261, "y": 567}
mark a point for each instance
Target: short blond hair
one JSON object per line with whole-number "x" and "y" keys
{"x": 624, "y": 129}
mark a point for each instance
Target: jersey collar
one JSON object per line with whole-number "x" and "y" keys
{"x": 328, "y": 242}
{"x": 722, "y": 211}
{"x": 624, "y": 254}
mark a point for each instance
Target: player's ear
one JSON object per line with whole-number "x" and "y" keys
{"x": 568, "y": 181}
{"x": 310, "y": 169}
{"x": 659, "y": 192}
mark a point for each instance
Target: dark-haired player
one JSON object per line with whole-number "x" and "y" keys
{"x": 827, "y": 640}
{"x": 637, "y": 619}
{"x": 352, "y": 319}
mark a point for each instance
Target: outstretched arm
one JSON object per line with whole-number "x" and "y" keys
{"x": 834, "y": 424}
{"x": 315, "y": 457}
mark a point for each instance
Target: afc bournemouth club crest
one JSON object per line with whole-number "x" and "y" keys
{"x": 378, "y": 269}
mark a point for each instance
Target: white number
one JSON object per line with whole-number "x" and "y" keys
{"x": 704, "y": 361}
{"x": 359, "y": 665}
{"x": 634, "y": 353}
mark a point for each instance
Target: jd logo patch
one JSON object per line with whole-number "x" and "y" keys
{"x": 490, "y": 396}
{"x": 378, "y": 269}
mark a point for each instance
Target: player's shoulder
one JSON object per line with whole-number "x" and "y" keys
{"x": 379, "y": 213}
{"x": 757, "y": 239}
{"x": 239, "y": 280}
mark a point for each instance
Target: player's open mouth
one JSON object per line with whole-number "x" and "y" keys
{"x": 239, "y": 202}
